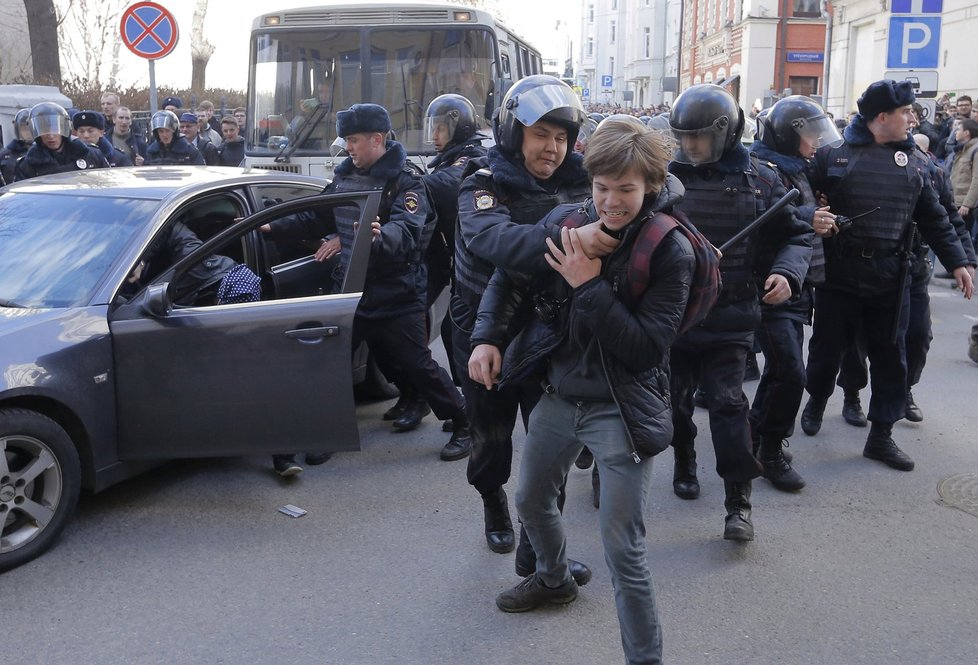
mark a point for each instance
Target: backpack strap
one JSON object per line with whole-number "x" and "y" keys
{"x": 651, "y": 236}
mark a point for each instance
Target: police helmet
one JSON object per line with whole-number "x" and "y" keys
{"x": 795, "y": 118}
{"x": 49, "y": 118}
{"x": 22, "y": 126}
{"x": 534, "y": 98}
{"x": 706, "y": 122}
{"x": 164, "y": 120}
{"x": 660, "y": 123}
{"x": 597, "y": 117}
{"x": 761, "y": 119}
{"x": 453, "y": 112}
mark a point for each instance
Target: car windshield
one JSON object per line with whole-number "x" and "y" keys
{"x": 55, "y": 249}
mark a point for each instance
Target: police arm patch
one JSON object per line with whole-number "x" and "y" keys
{"x": 411, "y": 202}
{"x": 484, "y": 200}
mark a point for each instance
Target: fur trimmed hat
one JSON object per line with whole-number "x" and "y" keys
{"x": 88, "y": 119}
{"x": 884, "y": 96}
{"x": 171, "y": 101}
{"x": 363, "y": 119}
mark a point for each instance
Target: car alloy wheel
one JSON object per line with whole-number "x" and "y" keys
{"x": 40, "y": 478}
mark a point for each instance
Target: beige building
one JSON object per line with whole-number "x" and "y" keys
{"x": 15, "y": 47}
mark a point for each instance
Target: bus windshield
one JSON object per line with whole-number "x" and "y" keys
{"x": 305, "y": 76}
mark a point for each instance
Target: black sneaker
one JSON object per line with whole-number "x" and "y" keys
{"x": 458, "y": 447}
{"x": 532, "y": 593}
{"x": 396, "y": 411}
{"x": 852, "y": 411}
{"x": 285, "y": 465}
{"x": 315, "y": 459}
{"x": 912, "y": 412}
{"x": 580, "y": 572}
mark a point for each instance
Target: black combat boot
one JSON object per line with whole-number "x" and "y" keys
{"x": 400, "y": 406}
{"x": 811, "y": 415}
{"x": 460, "y": 445}
{"x": 413, "y": 413}
{"x": 777, "y": 469}
{"x": 912, "y": 412}
{"x": 852, "y": 409}
{"x": 738, "y": 525}
{"x": 684, "y": 481}
{"x": 526, "y": 562}
{"x": 880, "y": 446}
{"x": 499, "y": 526}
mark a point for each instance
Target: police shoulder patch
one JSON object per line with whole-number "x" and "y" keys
{"x": 460, "y": 161}
{"x": 411, "y": 202}
{"x": 484, "y": 200}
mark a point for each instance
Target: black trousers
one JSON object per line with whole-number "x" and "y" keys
{"x": 839, "y": 318}
{"x": 492, "y": 417}
{"x": 400, "y": 346}
{"x": 716, "y": 362}
{"x": 779, "y": 392}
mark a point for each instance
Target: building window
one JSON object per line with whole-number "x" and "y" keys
{"x": 803, "y": 85}
{"x": 614, "y": 31}
{"x": 648, "y": 42}
{"x": 611, "y": 66}
{"x": 806, "y": 8}
{"x": 590, "y": 47}
{"x": 614, "y": 4}
{"x": 590, "y": 13}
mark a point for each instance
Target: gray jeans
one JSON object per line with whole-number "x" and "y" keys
{"x": 559, "y": 428}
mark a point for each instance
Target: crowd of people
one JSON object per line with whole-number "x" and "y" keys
{"x": 49, "y": 138}
{"x": 578, "y": 249}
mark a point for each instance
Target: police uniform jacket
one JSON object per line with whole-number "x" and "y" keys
{"x": 443, "y": 182}
{"x": 178, "y": 152}
{"x": 499, "y": 205}
{"x": 73, "y": 156}
{"x": 721, "y": 199}
{"x": 601, "y": 345}
{"x": 396, "y": 275}
{"x": 890, "y": 182}
{"x": 9, "y": 156}
{"x": 113, "y": 155}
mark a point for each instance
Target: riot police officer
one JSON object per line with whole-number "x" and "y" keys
{"x": 450, "y": 126}
{"x": 726, "y": 189}
{"x": 18, "y": 146}
{"x": 169, "y": 147}
{"x": 531, "y": 169}
{"x": 789, "y": 134}
{"x": 866, "y": 284}
{"x": 54, "y": 151}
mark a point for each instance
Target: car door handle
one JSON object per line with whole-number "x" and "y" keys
{"x": 313, "y": 335}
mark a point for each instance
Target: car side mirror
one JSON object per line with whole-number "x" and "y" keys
{"x": 157, "y": 300}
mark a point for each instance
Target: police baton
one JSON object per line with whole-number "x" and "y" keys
{"x": 761, "y": 221}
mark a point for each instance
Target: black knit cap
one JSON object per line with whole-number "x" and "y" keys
{"x": 363, "y": 119}
{"x": 884, "y": 96}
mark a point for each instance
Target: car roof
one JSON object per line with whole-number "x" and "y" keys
{"x": 154, "y": 182}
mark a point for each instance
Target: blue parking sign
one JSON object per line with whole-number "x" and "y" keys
{"x": 916, "y": 6}
{"x": 607, "y": 81}
{"x": 913, "y": 42}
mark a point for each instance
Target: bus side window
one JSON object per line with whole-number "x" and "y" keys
{"x": 504, "y": 58}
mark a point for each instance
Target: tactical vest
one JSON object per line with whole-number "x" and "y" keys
{"x": 878, "y": 181}
{"x": 720, "y": 205}
{"x": 472, "y": 273}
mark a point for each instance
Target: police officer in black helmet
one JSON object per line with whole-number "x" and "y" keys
{"x": 18, "y": 146}
{"x": 879, "y": 181}
{"x": 788, "y": 135}
{"x": 450, "y": 126}
{"x": 726, "y": 189}
{"x": 54, "y": 151}
{"x": 531, "y": 169}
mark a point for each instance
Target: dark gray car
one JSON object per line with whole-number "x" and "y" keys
{"x": 118, "y": 351}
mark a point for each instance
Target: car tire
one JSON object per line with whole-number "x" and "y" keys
{"x": 375, "y": 386}
{"x": 40, "y": 479}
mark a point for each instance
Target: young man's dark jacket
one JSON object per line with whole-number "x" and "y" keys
{"x": 721, "y": 199}
{"x": 210, "y": 152}
{"x": 396, "y": 276}
{"x": 9, "y": 156}
{"x": 443, "y": 181}
{"x": 601, "y": 345}
{"x": 499, "y": 205}
{"x": 178, "y": 152}
{"x": 861, "y": 176}
{"x": 231, "y": 153}
{"x": 135, "y": 141}
{"x": 73, "y": 156}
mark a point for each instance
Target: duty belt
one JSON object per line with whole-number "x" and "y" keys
{"x": 859, "y": 252}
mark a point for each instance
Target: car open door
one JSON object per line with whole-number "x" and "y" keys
{"x": 272, "y": 376}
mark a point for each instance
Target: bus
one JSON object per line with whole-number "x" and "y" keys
{"x": 307, "y": 64}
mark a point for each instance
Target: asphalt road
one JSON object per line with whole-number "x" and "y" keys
{"x": 192, "y": 563}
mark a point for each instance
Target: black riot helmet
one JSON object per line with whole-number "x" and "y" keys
{"x": 534, "y": 98}
{"x": 453, "y": 112}
{"x": 761, "y": 120}
{"x": 795, "y": 118}
{"x": 706, "y": 122}
{"x": 22, "y": 126}
{"x": 164, "y": 120}
{"x": 49, "y": 118}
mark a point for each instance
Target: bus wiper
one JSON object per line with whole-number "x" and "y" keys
{"x": 320, "y": 112}
{"x": 9, "y": 303}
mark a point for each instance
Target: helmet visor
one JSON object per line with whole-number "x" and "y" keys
{"x": 818, "y": 131}
{"x": 440, "y": 127}
{"x": 163, "y": 120}
{"x": 51, "y": 123}
{"x": 699, "y": 146}
{"x": 528, "y": 107}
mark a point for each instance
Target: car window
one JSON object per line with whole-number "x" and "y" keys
{"x": 55, "y": 249}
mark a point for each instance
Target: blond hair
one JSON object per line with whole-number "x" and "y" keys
{"x": 622, "y": 143}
